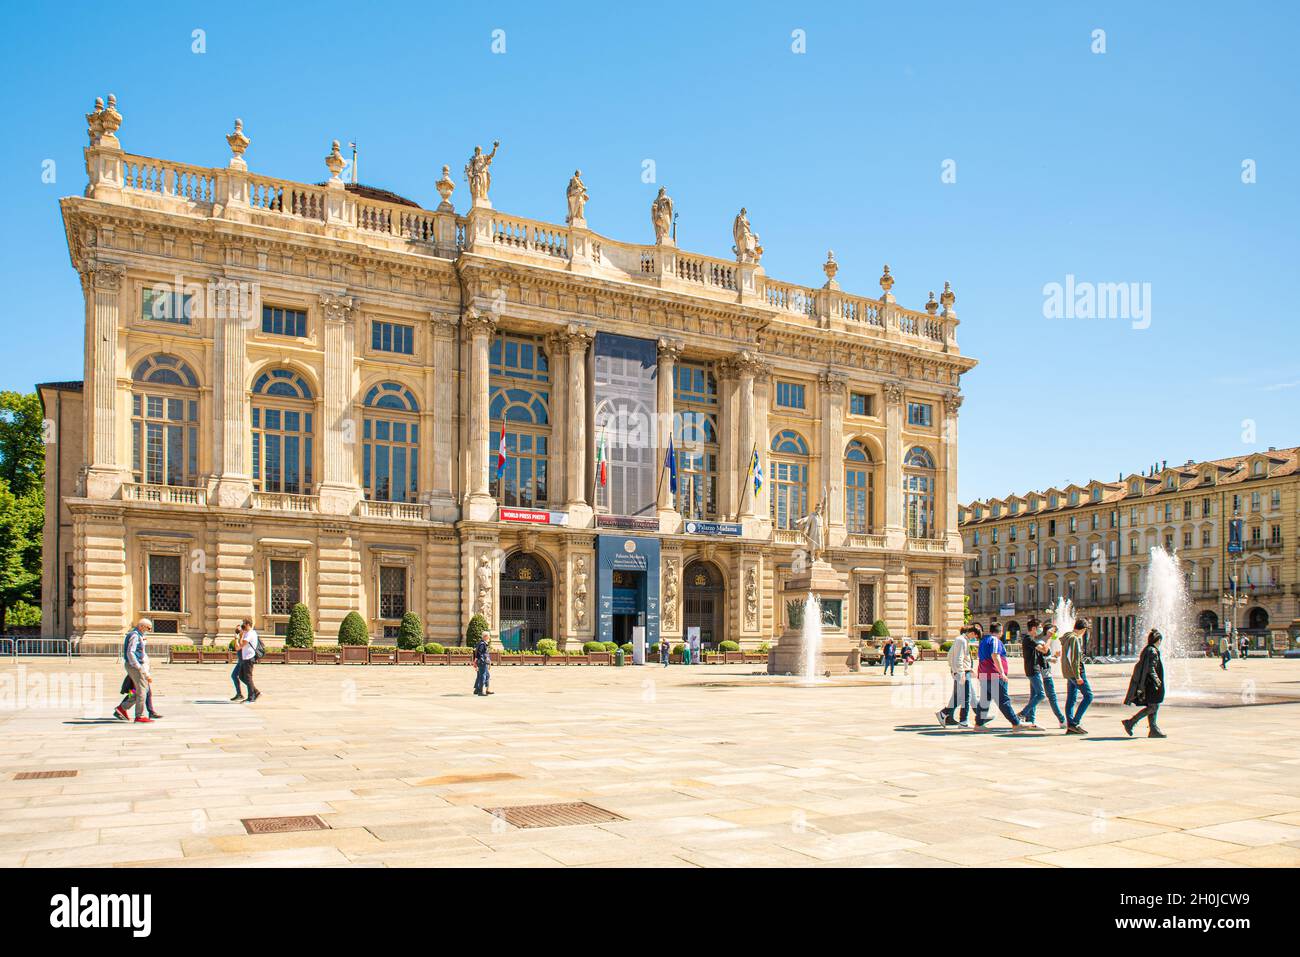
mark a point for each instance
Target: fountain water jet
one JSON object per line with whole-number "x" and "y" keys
{"x": 1167, "y": 607}
{"x": 1063, "y": 615}
{"x": 812, "y": 637}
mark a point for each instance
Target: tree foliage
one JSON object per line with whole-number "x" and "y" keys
{"x": 22, "y": 502}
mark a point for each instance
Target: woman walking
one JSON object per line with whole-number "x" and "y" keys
{"x": 1147, "y": 687}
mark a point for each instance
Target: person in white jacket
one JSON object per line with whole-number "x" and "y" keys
{"x": 963, "y": 681}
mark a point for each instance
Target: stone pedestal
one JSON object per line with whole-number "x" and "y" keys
{"x": 839, "y": 652}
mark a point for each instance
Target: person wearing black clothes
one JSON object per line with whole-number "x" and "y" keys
{"x": 1147, "y": 687}
{"x": 482, "y": 658}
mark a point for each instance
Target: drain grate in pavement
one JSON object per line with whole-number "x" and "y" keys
{"x": 279, "y": 825}
{"x": 42, "y": 775}
{"x": 554, "y": 815}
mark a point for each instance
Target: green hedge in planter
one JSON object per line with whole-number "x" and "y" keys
{"x": 728, "y": 646}
{"x": 592, "y": 646}
{"x": 764, "y": 647}
{"x": 410, "y": 633}
{"x": 679, "y": 649}
{"x": 327, "y": 649}
{"x": 461, "y": 650}
{"x": 353, "y": 630}
{"x": 474, "y": 630}
{"x": 299, "y": 633}
{"x": 384, "y": 649}
{"x": 548, "y": 647}
{"x": 924, "y": 645}
{"x": 182, "y": 648}
{"x": 946, "y": 646}
{"x": 610, "y": 646}
{"x": 627, "y": 648}
{"x": 433, "y": 648}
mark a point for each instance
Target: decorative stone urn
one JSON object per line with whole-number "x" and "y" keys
{"x": 839, "y": 652}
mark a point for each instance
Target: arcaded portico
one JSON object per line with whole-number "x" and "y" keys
{"x": 330, "y": 394}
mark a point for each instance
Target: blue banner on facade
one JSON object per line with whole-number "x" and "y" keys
{"x": 637, "y": 559}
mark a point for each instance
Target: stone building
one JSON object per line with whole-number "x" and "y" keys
{"x": 1092, "y": 544}
{"x": 299, "y": 392}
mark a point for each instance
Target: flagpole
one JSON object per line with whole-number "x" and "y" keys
{"x": 748, "y": 474}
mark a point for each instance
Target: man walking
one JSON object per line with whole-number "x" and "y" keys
{"x": 1076, "y": 674}
{"x": 482, "y": 658}
{"x": 248, "y": 644}
{"x": 136, "y": 659}
{"x": 665, "y": 652}
{"x": 993, "y": 682}
{"x": 1037, "y": 652}
{"x": 963, "y": 684}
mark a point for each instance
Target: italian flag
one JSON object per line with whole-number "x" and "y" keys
{"x": 501, "y": 452}
{"x": 602, "y": 461}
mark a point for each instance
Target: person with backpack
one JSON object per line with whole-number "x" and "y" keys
{"x": 1075, "y": 672}
{"x": 135, "y": 656}
{"x": 249, "y": 646}
{"x": 1037, "y": 651}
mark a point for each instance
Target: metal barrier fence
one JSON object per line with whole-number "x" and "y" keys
{"x": 16, "y": 646}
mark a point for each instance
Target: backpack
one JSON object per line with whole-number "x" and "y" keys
{"x": 260, "y": 650}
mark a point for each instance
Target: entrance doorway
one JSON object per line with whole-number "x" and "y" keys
{"x": 703, "y": 601}
{"x": 525, "y": 603}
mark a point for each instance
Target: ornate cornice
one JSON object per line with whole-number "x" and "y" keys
{"x": 102, "y": 276}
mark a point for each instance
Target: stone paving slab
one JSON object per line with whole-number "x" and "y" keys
{"x": 401, "y": 764}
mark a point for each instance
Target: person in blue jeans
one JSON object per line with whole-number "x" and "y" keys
{"x": 1036, "y": 650}
{"x": 993, "y": 682}
{"x": 1073, "y": 669}
{"x": 482, "y": 659}
{"x": 889, "y": 650}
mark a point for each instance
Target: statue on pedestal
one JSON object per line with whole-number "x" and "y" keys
{"x": 747, "y": 249}
{"x": 478, "y": 174}
{"x": 577, "y": 194}
{"x": 813, "y": 527}
{"x": 661, "y": 216}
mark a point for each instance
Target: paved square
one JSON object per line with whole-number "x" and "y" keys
{"x": 708, "y": 766}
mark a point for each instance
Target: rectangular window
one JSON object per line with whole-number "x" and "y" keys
{"x": 920, "y": 414}
{"x": 1275, "y": 534}
{"x": 392, "y": 592}
{"x": 284, "y": 322}
{"x": 286, "y": 585}
{"x": 866, "y": 603}
{"x": 790, "y": 395}
{"x": 392, "y": 337}
{"x": 862, "y": 404}
{"x": 164, "y": 584}
{"x": 161, "y": 305}
{"x": 1205, "y": 508}
{"x": 1205, "y": 538}
{"x": 922, "y": 607}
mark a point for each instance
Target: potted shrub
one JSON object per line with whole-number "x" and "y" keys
{"x": 731, "y": 652}
{"x": 549, "y": 649}
{"x": 596, "y": 653}
{"x": 678, "y": 654}
{"x": 353, "y": 639}
{"x": 460, "y": 655}
{"x": 435, "y": 654}
{"x": 182, "y": 654}
{"x": 925, "y": 650}
{"x": 273, "y": 656}
{"x": 328, "y": 654}
{"x": 382, "y": 654}
{"x": 410, "y": 640}
{"x": 759, "y": 653}
{"x": 474, "y": 630}
{"x": 298, "y": 637}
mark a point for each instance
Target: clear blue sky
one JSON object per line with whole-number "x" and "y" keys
{"x": 1119, "y": 167}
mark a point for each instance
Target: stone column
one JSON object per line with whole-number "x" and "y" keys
{"x": 479, "y": 326}
{"x": 102, "y": 284}
{"x": 557, "y": 353}
{"x": 577, "y": 341}
{"x": 442, "y": 489}
{"x": 726, "y": 372}
{"x": 339, "y": 491}
{"x": 748, "y": 367}
{"x": 834, "y": 388}
{"x": 951, "y": 403}
{"x": 669, "y": 351}
{"x": 895, "y": 531}
{"x": 230, "y": 394}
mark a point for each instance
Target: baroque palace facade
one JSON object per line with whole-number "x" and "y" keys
{"x": 299, "y": 392}
{"x": 1092, "y": 543}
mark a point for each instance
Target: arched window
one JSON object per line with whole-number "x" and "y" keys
{"x": 390, "y": 444}
{"x": 521, "y": 397}
{"x": 282, "y": 433}
{"x": 164, "y": 422}
{"x": 918, "y": 493}
{"x": 859, "y": 489}
{"x": 695, "y": 439}
{"x": 789, "y": 471}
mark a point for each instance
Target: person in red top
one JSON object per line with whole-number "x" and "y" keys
{"x": 993, "y": 679}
